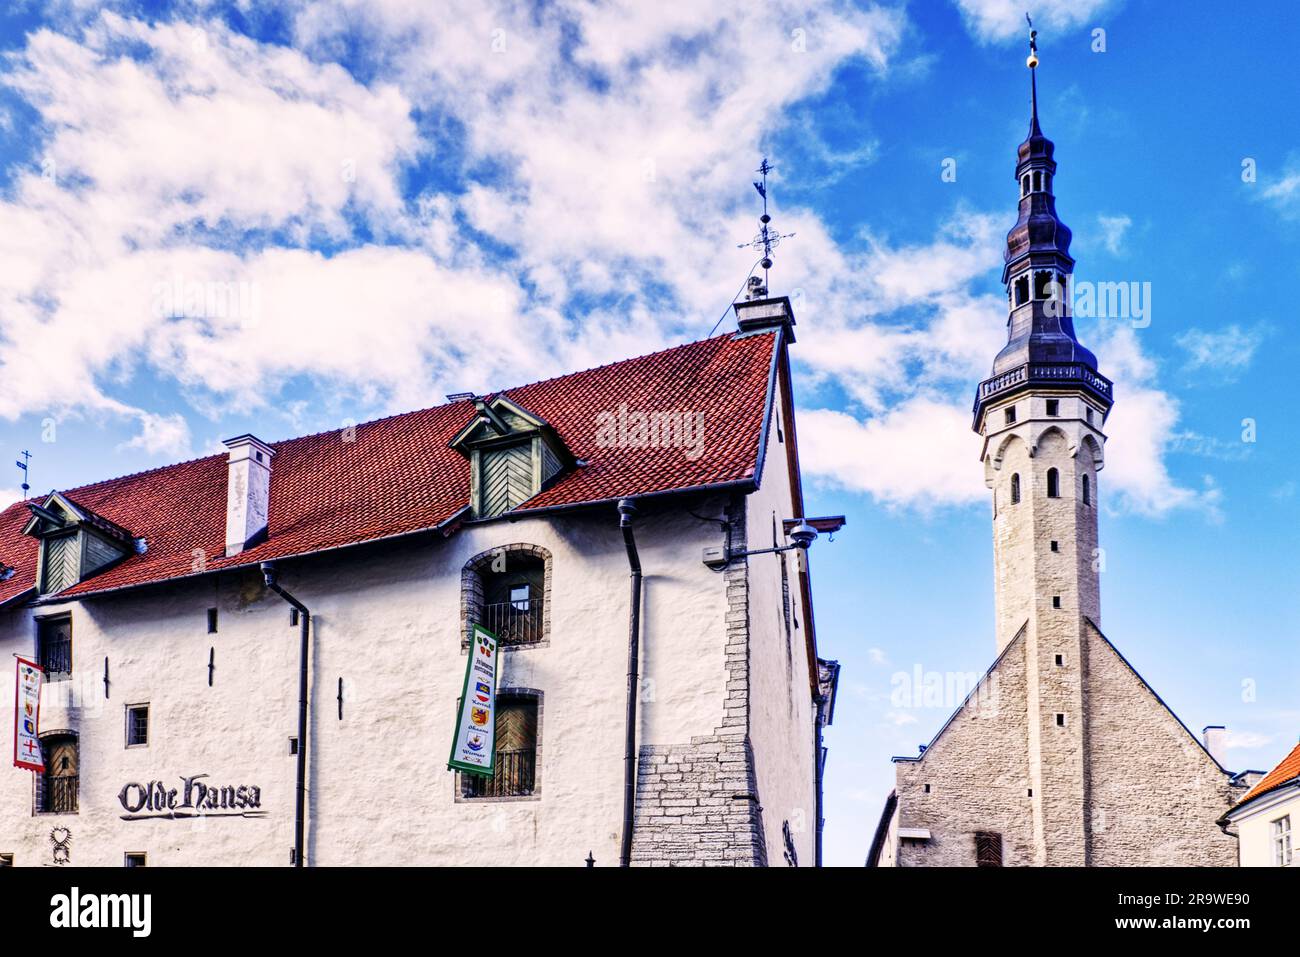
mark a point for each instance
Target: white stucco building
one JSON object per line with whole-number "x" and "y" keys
{"x": 169, "y": 722}
{"x": 1267, "y": 820}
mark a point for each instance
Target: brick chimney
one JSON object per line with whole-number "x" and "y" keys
{"x": 248, "y": 492}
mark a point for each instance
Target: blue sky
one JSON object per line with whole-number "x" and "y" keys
{"x": 408, "y": 202}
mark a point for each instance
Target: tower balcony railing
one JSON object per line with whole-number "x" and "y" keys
{"x": 1045, "y": 373}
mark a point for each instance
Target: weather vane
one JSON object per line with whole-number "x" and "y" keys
{"x": 23, "y": 465}
{"x": 1032, "y": 62}
{"x": 767, "y": 238}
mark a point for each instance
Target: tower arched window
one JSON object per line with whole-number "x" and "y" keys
{"x": 1022, "y": 290}
{"x": 1038, "y": 181}
{"x": 1015, "y": 489}
{"x": 1053, "y": 483}
{"x": 1024, "y": 186}
{"x": 1042, "y": 285}
{"x": 1087, "y": 491}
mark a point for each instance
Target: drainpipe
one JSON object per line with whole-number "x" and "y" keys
{"x": 818, "y": 751}
{"x": 304, "y": 618}
{"x": 626, "y": 512}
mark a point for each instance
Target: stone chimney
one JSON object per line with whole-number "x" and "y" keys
{"x": 759, "y": 312}
{"x": 248, "y": 492}
{"x": 1215, "y": 738}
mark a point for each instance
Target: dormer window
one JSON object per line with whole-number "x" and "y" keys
{"x": 75, "y": 542}
{"x": 513, "y": 455}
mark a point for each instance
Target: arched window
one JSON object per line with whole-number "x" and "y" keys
{"x": 1042, "y": 285}
{"x": 1022, "y": 290}
{"x": 1038, "y": 181}
{"x": 1024, "y": 186}
{"x": 1053, "y": 483}
{"x": 1047, "y": 182}
{"x": 1087, "y": 491}
{"x": 518, "y": 733}
{"x": 1015, "y": 489}
{"x": 507, "y": 591}
{"x": 56, "y": 786}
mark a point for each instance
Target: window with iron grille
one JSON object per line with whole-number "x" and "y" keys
{"x": 517, "y": 746}
{"x": 56, "y": 786}
{"x": 137, "y": 725}
{"x": 505, "y": 591}
{"x": 54, "y": 647}
{"x": 988, "y": 849}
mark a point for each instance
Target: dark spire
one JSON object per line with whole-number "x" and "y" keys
{"x": 1041, "y": 343}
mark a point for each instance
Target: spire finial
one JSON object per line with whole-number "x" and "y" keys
{"x": 24, "y": 466}
{"x": 768, "y": 238}
{"x": 1032, "y": 63}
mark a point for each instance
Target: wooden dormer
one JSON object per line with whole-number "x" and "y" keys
{"x": 513, "y": 455}
{"x": 75, "y": 542}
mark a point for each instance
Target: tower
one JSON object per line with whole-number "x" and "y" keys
{"x": 1041, "y": 414}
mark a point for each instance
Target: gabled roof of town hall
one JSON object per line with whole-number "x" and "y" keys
{"x": 399, "y": 475}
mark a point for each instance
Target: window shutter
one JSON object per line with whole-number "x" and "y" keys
{"x": 988, "y": 849}
{"x": 507, "y": 478}
{"x": 62, "y": 562}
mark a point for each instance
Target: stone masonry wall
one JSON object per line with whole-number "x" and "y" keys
{"x": 697, "y": 803}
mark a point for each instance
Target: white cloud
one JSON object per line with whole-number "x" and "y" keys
{"x": 175, "y": 143}
{"x": 1227, "y": 352}
{"x": 1113, "y": 231}
{"x": 1002, "y": 20}
{"x": 921, "y": 452}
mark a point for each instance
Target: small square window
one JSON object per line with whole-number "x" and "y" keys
{"x": 1087, "y": 413}
{"x": 519, "y": 595}
{"x": 212, "y": 621}
{"x": 1031, "y": 792}
{"x": 6, "y": 860}
{"x": 1060, "y": 661}
{"x": 293, "y": 745}
{"x": 927, "y": 789}
{"x": 1011, "y": 415}
{"x": 135, "y": 859}
{"x": 1056, "y": 601}
{"x": 1053, "y": 406}
{"x": 1060, "y": 720}
{"x": 1056, "y": 546}
{"x": 137, "y": 725}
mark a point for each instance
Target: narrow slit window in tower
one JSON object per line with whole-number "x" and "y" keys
{"x": 1053, "y": 483}
{"x": 1015, "y": 489}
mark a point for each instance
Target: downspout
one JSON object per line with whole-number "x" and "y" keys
{"x": 626, "y": 511}
{"x": 304, "y": 618}
{"x": 818, "y": 753}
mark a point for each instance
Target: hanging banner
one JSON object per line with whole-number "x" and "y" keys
{"x": 27, "y": 716}
{"x": 473, "y": 750}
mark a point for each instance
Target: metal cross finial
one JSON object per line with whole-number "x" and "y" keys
{"x": 767, "y": 238}
{"x": 23, "y": 465}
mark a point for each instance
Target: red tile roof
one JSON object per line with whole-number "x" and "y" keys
{"x": 399, "y": 475}
{"x": 1284, "y": 773}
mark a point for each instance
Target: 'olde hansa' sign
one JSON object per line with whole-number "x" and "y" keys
{"x": 194, "y": 798}
{"x": 473, "y": 750}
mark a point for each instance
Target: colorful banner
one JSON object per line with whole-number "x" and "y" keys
{"x": 27, "y": 716}
{"x": 474, "y": 748}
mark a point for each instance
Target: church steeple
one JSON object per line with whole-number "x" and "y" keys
{"x": 1037, "y": 266}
